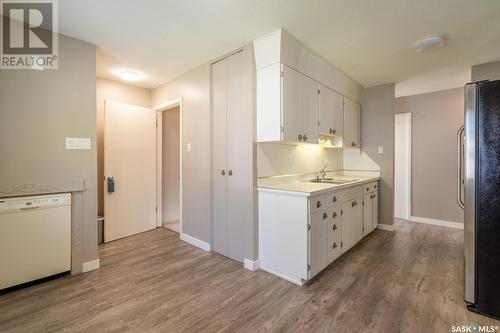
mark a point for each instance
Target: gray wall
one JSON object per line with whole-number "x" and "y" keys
{"x": 194, "y": 89}
{"x": 489, "y": 71}
{"x": 38, "y": 110}
{"x": 378, "y": 130}
{"x": 436, "y": 118}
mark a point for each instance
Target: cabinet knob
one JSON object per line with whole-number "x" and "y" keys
{"x": 334, "y": 199}
{"x": 374, "y": 196}
{"x": 375, "y": 186}
{"x": 334, "y": 227}
{"x": 367, "y": 189}
{"x": 325, "y": 216}
{"x": 318, "y": 204}
{"x": 334, "y": 216}
{"x": 334, "y": 131}
{"x": 230, "y": 172}
{"x": 334, "y": 245}
{"x": 354, "y": 203}
{"x": 305, "y": 138}
{"x": 223, "y": 172}
{"x": 299, "y": 137}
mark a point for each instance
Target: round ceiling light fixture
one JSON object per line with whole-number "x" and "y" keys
{"x": 130, "y": 76}
{"x": 429, "y": 44}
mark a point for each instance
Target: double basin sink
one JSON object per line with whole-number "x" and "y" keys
{"x": 335, "y": 180}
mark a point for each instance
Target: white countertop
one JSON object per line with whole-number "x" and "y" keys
{"x": 305, "y": 188}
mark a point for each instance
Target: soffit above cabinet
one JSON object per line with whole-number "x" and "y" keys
{"x": 281, "y": 47}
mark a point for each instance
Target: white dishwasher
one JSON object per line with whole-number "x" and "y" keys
{"x": 35, "y": 238}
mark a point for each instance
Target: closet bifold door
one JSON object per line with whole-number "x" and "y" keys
{"x": 219, "y": 165}
{"x": 239, "y": 153}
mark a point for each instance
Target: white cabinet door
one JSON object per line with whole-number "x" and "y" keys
{"x": 318, "y": 238}
{"x": 375, "y": 210}
{"x": 352, "y": 223}
{"x": 367, "y": 213}
{"x": 334, "y": 233}
{"x": 331, "y": 112}
{"x": 292, "y": 104}
{"x": 352, "y": 123}
{"x": 309, "y": 109}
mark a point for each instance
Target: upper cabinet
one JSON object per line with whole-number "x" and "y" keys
{"x": 352, "y": 124}
{"x": 300, "y": 97}
{"x": 331, "y": 112}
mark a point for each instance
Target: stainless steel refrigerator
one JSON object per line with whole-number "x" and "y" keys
{"x": 479, "y": 195}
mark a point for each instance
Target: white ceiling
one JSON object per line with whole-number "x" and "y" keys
{"x": 369, "y": 40}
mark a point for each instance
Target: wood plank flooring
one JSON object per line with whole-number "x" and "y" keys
{"x": 406, "y": 281}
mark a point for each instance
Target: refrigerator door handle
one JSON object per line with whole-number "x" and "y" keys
{"x": 460, "y": 132}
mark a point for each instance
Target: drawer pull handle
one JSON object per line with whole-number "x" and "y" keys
{"x": 318, "y": 204}
{"x": 334, "y": 216}
{"x": 334, "y": 245}
{"x": 334, "y": 227}
{"x": 325, "y": 216}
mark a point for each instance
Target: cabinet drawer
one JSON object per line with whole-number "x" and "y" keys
{"x": 317, "y": 203}
{"x": 352, "y": 193}
{"x": 333, "y": 198}
{"x": 370, "y": 187}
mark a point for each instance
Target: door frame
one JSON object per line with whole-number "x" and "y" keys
{"x": 176, "y": 102}
{"x": 408, "y": 117}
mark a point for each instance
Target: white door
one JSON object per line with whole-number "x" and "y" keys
{"x": 331, "y": 112}
{"x": 130, "y": 158}
{"x": 352, "y": 119}
{"x": 367, "y": 213}
{"x": 318, "y": 239}
{"x": 402, "y": 166}
{"x": 309, "y": 109}
{"x": 352, "y": 223}
{"x": 291, "y": 107}
{"x": 375, "y": 210}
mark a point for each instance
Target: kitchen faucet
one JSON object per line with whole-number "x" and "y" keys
{"x": 322, "y": 172}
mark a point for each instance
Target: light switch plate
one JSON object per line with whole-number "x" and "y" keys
{"x": 188, "y": 146}
{"x": 78, "y": 143}
{"x": 380, "y": 149}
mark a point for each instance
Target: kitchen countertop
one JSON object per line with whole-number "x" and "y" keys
{"x": 305, "y": 188}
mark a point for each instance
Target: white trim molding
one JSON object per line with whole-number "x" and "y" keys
{"x": 196, "y": 242}
{"x": 449, "y": 224}
{"x": 386, "y": 227}
{"x": 91, "y": 265}
{"x": 251, "y": 265}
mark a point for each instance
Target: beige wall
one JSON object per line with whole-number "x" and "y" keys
{"x": 38, "y": 110}
{"x": 436, "y": 118}
{"x": 378, "y": 130}
{"x": 119, "y": 92}
{"x": 170, "y": 165}
{"x": 194, "y": 89}
{"x": 489, "y": 71}
{"x": 283, "y": 159}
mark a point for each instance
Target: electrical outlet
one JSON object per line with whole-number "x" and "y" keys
{"x": 380, "y": 149}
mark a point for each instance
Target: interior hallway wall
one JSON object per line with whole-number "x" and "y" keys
{"x": 118, "y": 92}
{"x": 378, "y": 130}
{"x": 194, "y": 89}
{"x": 436, "y": 118}
{"x": 170, "y": 165}
{"x": 489, "y": 71}
{"x": 38, "y": 110}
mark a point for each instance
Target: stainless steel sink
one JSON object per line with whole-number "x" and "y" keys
{"x": 339, "y": 180}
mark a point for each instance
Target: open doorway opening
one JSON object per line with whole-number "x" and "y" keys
{"x": 169, "y": 157}
{"x": 402, "y": 166}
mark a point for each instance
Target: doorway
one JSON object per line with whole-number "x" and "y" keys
{"x": 169, "y": 157}
{"x": 402, "y": 166}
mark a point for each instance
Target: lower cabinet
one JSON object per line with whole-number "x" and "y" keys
{"x": 299, "y": 236}
{"x": 370, "y": 209}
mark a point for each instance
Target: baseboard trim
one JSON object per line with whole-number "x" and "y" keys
{"x": 196, "y": 242}
{"x": 251, "y": 265}
{"x": 386, "y": 227}
{"x": 442, "y": 223}
{"x": 284, "y": 277}
{"x": 91, "y": 265}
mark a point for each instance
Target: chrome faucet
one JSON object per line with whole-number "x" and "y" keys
{"x": 322, "y": 172}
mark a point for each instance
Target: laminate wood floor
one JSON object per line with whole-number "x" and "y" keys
{"x": 406, "y": 281}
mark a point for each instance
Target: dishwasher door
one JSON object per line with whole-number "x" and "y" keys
{"x": 35, "y": 238}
